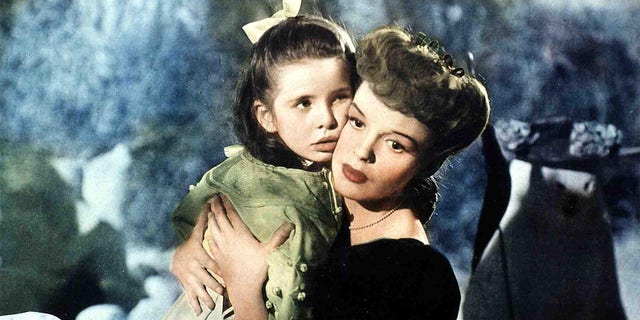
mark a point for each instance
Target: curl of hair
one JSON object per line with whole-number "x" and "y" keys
{"x": 294, "y": 39}
{"x": 412, "y": 78}
{"x": 421, "y": 194}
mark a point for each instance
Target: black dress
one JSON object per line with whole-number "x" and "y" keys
{"x": 387, "y": 279}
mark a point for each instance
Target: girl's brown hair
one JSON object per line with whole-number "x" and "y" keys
{"x": 294, "y": 39}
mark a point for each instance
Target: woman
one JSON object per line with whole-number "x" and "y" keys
{"x": 412, "y": 111}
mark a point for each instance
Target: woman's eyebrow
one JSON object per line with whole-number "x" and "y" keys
{"x": 410, "y": 138}
{"x": 357, "y": 109}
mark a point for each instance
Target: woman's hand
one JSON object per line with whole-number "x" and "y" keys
{"x": 192, "y": 266}
{"x": 241, "y": 258}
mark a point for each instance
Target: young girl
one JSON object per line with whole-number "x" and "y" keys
{"x": 291, "y": 106}
{"x": 413, "y": 110}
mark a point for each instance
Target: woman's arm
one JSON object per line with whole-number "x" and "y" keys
{"x": 241, "y": 258}
{"x": 192, "y": 266}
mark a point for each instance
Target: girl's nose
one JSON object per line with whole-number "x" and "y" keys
{"x": 326, "y": 118}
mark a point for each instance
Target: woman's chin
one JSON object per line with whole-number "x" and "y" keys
{"x": 352, "y": 191}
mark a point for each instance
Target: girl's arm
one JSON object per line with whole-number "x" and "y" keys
{"x": 192, "y": 266}
{"x": 241, "y": 258}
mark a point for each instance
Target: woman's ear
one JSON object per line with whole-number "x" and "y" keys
{"x": 264, "y": 116}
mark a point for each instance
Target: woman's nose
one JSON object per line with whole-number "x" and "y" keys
{"x": 364, "y": 151}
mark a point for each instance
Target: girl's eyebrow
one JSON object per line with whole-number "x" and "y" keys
{"x": 300, "y": 98}
{"x": 344, "y": 89}
{"x": 311, "y": 96}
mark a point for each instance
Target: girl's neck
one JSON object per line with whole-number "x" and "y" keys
{"x": 314, "y": 166}
{"x": 383, "y": 219}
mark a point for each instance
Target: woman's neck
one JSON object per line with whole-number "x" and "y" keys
{"x": 383, "y": 219}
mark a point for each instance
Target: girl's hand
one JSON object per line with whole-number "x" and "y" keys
{"x": 241, "y": 258}
{"x": 192, "y": 266}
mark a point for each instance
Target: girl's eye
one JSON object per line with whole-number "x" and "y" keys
{"x": 356, "y": 123}
{"x": 303, "y": 104}
{"x": 343, "y": 97}
{"x": 395, "y": 145}
{"x": 341, "y": 100}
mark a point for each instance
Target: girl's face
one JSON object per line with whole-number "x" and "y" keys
{"x": 309, "y": 108}
{"x": 377, "y": 154}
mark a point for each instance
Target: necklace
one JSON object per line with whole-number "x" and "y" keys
{"x": 386, "y": 215}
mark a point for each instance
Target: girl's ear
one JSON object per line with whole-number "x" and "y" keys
{"x": 264, "y": 116}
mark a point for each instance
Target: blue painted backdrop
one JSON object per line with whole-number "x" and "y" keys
{"x": 110, "y": 109}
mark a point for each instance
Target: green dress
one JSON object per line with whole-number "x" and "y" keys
{"x": 265, "y": 197}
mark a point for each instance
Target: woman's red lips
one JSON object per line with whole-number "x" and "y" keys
{"x": 352, "y": 174}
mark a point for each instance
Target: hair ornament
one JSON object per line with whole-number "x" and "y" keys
{"x": 458, "y": 72}
{"x": 256, "y": 29}
{"x": 435, "y": 46}
{"x": 448, "y": 60}
{"x": 419, "y": 39}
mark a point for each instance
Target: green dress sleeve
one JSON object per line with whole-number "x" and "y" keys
{"x": 186, "y": 215}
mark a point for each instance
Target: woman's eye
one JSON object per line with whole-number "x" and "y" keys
{"x": 356, "y": 123}
{"x": 303, "y": 104}
{"x": 396, "y": 146}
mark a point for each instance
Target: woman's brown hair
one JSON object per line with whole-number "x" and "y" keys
{"x": 408, "y": 74}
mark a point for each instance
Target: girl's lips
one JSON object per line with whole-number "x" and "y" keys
{"x": 326, "y": 146}
{"x": 352, "y": 174}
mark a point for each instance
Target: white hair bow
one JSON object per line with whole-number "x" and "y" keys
{"x": 256, "y": 29}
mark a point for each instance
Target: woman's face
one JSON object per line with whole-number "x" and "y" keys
{"x": 378, "y": 151}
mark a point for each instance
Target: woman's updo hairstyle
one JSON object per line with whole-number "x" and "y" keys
{"x": 408, "y": 75}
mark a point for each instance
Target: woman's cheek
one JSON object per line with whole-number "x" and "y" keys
{"x": 398, "y": 173}
{"x": 347, "y": 140}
